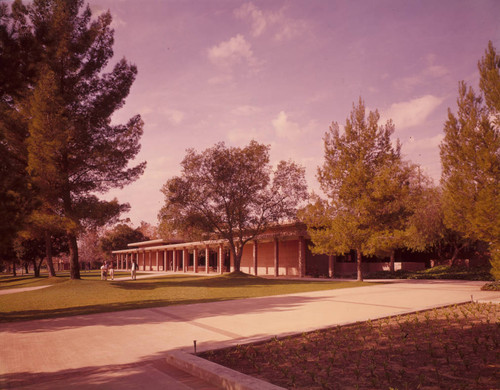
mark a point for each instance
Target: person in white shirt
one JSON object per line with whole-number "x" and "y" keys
{"x": 112, "y": 271}
{"x": 133, "y": 271}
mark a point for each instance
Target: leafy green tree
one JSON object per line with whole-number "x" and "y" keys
{"x": 393, "y": 229}
{"x": 233, "y": 193}
{"x": 148, "y": 230}
{"x": 33, "y": 250}
{"x": 425, "y": 224}
{"x": 470, "y": 158}
{"x": 365, "y": 182}
{"x": 119, "y": 237}
{"x": 426, "y": 227}
{"x": 72, "y": 150}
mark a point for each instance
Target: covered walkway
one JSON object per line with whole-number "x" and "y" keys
{"x": 280, "y": 251}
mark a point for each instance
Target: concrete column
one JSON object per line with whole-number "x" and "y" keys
{"x": 165, "y": 261}
{"x": 207, "y": 257}
{"x": 255, "y": 253}
{"x": 195, "y": 260}
{"x": 157, "y": 258}
{"x": 302, "y": 257}
{"x": 185, "y": 259}
{"x": 276, "y": 257}
{"x": 174, "y": 260}
{"x": 331, "y": 265}
{"x": 219, "y": 258}
{"x": 150, "y": 260}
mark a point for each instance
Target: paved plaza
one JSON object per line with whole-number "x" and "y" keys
{"x": 126, "y": 350}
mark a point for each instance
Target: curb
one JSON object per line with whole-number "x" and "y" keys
{"x": 225, "y": 378}
{"x": 215, "y": 374}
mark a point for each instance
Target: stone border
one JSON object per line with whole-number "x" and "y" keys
{"x": 225, "y": 378}
{"x": 216, "y": 374}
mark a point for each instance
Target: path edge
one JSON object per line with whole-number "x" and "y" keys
{"x": 215, "y": 374}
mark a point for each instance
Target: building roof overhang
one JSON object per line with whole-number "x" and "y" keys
{"x": 283, "y": 232}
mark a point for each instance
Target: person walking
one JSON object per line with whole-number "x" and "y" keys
{"x": 105, "y": 270}
{"x": 133, "y": 271}
{"x": 112, "y": 271}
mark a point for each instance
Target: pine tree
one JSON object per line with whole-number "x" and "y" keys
{"x": 470, "y": 158}
{"x": 364, "y": 179}
{"x": 72, "y": 150}
{"x": 16, "y": 75}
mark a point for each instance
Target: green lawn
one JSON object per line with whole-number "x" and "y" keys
{"x": 20, "y": 281}
{"x": 90, "y": 295}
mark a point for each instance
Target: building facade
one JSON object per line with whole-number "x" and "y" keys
{"x": 280, "y": 251}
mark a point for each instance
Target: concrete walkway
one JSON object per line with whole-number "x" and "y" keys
{"x": 126, "y": 350}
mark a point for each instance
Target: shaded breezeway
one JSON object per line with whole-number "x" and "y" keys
{"x": 126, "y": 349}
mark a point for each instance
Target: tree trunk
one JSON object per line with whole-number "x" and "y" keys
{"x": 237, "y": 260}
{"x": 331, "y": 265}
{"x": 358, "y": 265}
{"x": 26, "y": 267}
{"x": 14, "y": 268}
{"x": 237, "y": 254}
{"x": 36, "y": 267}
{"x": 391, "y": 262}
{"x": 48, "y": 254}
{"x": 456, "y": 251}
{"x": 74, "y": 266}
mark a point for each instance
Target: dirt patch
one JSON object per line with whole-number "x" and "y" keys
{"x": 449, "y": 348}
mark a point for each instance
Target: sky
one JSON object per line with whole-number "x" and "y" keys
{"x": 281, "y": 72}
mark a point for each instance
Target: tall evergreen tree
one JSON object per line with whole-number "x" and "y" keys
{"x": 16, "y": 76}
{"x": 470, "y": 158}
{"x": 73, "y": 151}
{"x": 364, "y": 180}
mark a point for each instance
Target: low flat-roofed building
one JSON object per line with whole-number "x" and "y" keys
{"x": 282, "y": 250}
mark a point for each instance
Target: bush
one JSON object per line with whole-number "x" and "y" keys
{"x": 438, "y": 272}
{"x": 493, "y": 286}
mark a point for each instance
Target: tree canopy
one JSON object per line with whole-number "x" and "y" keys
{"x": 470, "y": 158}
{"x": 119, "y": 237}
{"x": 16, "y": 73}
{"x": 64, "y": 134}
{"x": 366, "y": 184}
{"x": 231, "y": 193}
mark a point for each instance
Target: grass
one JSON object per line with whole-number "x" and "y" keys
{"x": 90, "y": 295}
{"x": 438, "y": 272}
{"x": 456, "y": 347}
{"x": 28, "y": 280}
